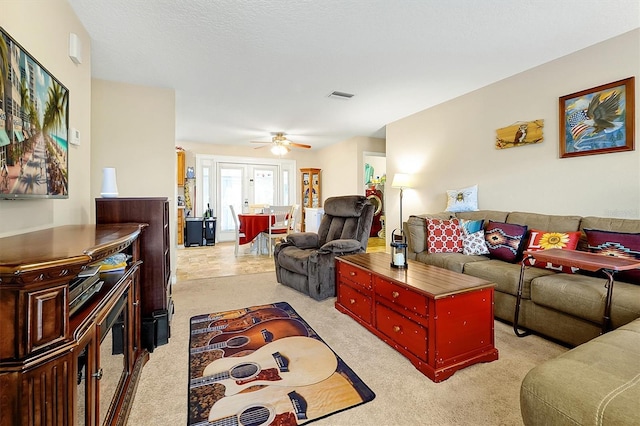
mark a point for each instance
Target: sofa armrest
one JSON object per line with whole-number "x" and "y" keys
{"x": 341, "y": 246}
{"x": 303, "y": 240}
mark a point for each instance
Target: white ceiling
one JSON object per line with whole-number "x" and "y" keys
{"x": 244, "y": 68}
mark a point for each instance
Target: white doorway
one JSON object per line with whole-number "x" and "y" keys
{"x": 241, "y": 182}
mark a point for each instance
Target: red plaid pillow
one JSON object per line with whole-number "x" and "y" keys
{"x": 542, "y": 240}
{"x": 443, "y": 236}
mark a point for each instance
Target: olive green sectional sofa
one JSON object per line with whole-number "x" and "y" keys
{"x": 598, "y": 381}
{"x": 568, "y": 308}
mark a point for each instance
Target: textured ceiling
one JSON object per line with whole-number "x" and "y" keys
{"x": 244, "y": 68}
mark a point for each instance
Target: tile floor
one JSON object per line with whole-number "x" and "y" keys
{"x": 219, "y": 260}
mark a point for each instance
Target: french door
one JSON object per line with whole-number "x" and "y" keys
{"x": 240, "y": 182}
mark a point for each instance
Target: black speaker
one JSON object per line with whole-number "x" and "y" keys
{"x": 161, "y": 318}
{"x": 148, "y": 334}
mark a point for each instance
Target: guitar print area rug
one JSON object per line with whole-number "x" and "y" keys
{"x": 264, "y": 365}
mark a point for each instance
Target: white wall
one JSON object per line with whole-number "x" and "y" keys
{"x": 451, "y": 146}
{"x": 42, "y": 29}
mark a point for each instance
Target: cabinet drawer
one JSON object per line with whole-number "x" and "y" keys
{"x": 407, "y": 299}
{"x": 354, "y": 275}
{"x": 356, "y": 302}
{"x": 406, "y": 333}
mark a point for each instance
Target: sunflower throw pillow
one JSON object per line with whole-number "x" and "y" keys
{"x": 542, "y": 240}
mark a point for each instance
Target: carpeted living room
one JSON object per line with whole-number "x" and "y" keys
{"x": 458, "y": 187}
{"x": 486, "y": 393}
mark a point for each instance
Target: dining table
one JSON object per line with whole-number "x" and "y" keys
{"x": 252, "y": 225}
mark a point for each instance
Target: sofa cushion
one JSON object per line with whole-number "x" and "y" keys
{"x": 583, "y": 297}
{"x": 462, "y": 200}
{"x": 452, "y": 261}
{"x": 541, "y": 240}
{"x": 594, "y": 383}
{"x": 505, "y": 240}
{"x": 444, "y": 236}
{"x": 554, "y": 223}
{"x": 485, "y": 215}
{"x": 505, "y": 275}
{"x": 618, "y": 244}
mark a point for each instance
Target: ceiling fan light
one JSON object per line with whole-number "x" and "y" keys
{"x": 279, "y": 150}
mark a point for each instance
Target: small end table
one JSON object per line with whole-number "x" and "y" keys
{"x": 587, "y": 261}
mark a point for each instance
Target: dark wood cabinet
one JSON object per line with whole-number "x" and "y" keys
{"x": 57, "y": 367}
{"x": 155, "y": 272}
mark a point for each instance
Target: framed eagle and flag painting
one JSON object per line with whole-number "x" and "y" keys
{"x": 599, "y": 120}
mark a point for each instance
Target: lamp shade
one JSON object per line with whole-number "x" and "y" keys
{"x": 401, "y": 180}
{"x": 109, "y": 184}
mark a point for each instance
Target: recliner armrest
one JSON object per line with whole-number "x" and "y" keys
{"x": 341, "y": 246}
{"x": 303, "y": 240}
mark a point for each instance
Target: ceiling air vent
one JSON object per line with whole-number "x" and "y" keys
{"x": 341, "y": 95}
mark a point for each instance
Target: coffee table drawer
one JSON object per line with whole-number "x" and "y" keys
{"x": 406, "y": 333}
{"x": 407, "y": 299}
{"x": 354, "y": 275}
{"x": 356, "y": 302}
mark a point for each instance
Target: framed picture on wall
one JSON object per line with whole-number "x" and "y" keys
{"x": 599, "y": 120}
{"x": 34, "y": 123}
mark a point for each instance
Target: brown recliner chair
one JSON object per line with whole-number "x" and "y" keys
{"x": 305, "y": 261}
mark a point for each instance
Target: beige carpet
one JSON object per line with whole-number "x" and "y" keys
{"x": 483, "y": 394}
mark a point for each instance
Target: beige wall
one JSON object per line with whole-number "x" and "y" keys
{"x": 133, "y": 130}
{"x": 43, "y": 30}
{"x": 451, "y": 145}
{"x": 343, "y": 165}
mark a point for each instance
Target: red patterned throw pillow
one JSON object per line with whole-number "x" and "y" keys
{"x": 542, "y": 240}
{"x": 443, "y": 236}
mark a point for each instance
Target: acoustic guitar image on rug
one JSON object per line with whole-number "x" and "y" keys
{"x": 254, "y": 337}
{"x": 237, "y": 323}
{"x": 285, "y": 405}
{"x": 228, "y": 314}
{"x": 290, "y": 361}
{"x": 265, "y": 366}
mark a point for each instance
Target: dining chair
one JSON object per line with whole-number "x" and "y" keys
{"x": 237, "y": 229}
{"x": 257, "y": 208}
{"x": 279, "y": 217}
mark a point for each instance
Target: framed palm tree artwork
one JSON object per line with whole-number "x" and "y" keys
{"x": 599, "y": 120}
{"x": 34, "y": 123}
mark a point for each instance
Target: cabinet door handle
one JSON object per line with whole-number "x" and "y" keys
{"x": 136, "y": 303}
{"x": 352, "y": 301}
{"x": 98, "y": 374}
{"x": 395, "y": 294}
{"x": 396, "y": 328}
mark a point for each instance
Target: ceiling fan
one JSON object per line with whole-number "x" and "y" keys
{"x": 280, "y": 145}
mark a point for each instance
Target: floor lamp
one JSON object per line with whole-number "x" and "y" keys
{"x": 399, "y": 242}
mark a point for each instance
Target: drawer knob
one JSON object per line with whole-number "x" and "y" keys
{"x": 352, "y": 301}
{"x": 396, "y": 328}
{"x": 395, "y": 294}
{"x": 353, "y": 274}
